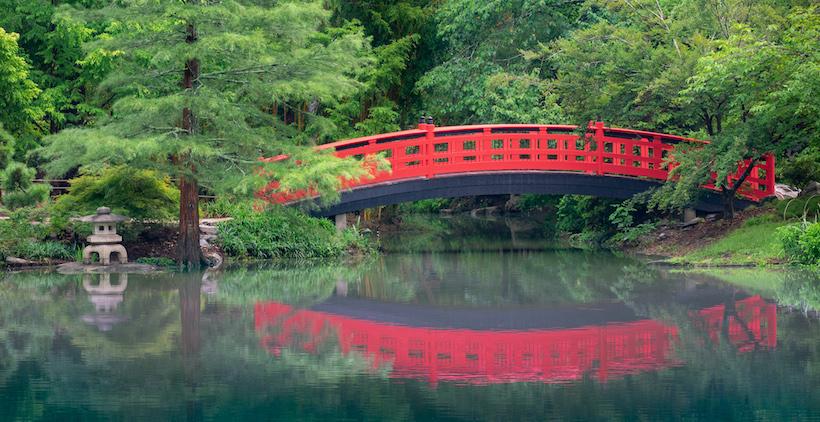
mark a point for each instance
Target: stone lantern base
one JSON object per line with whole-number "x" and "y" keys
{"x": 105, "y": 251}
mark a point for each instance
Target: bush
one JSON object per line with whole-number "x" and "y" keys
{"x": 6, "y": 147}
{"x": 425, "y": 206}
{"x": 801, "y": 169}
{"x": 801, "y": 242}
{"x": 30, "y": 197}
{"x": 224, "y": 207}
{"x": 22, "y": 239}
{"x": 19, "y": 188}
{"x": 578, "y": 213}
{"x": 284, "y": 233}
{"x": 533, "y": 202}
{"x": 139, "y": 194}
{"x": 802, "y": 207}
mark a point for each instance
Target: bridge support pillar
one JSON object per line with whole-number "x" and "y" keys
{"x": 341, "y": 222}
{"x": 689, "y": 214}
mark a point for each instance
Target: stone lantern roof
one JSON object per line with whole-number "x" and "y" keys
{"x": 103, "y": 215}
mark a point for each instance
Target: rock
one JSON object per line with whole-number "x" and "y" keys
{"x": 214, "y": 259}
{"x": 662, "y": 236}
{"x": 513, "y": 203}
{"x": 203, "y": 243}
{"x": 207, "y": 229}
{"x": 812, "y": 188}
{"x": 693, "y": 222}
{"x": 712, "y": 217}
{"x": 782, "y": 191}
{"x": 20, "y": 261}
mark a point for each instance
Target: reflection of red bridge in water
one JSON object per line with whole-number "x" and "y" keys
{"x": 483, "y": 356}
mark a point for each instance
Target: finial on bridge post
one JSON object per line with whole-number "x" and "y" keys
{"x": 429, "y": 120}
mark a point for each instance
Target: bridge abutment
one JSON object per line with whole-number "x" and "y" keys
{"x": 341, "y": 221}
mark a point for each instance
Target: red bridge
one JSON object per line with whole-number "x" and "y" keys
{"x": 430, "y": 162}
{"x": 533, "y": 355}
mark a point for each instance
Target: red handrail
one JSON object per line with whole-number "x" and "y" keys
{"x": 429, "y": 151}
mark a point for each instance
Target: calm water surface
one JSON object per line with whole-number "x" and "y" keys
{"x": 466, "y": 320}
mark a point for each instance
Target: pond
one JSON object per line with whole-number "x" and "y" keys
{"x": 463, "y": 320}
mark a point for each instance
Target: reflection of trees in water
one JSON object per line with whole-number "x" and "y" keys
{"x": 801, "y": 290}
{"x": 495, "y": 278}
{"x": 425, "y": 233}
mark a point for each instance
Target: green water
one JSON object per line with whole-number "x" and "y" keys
{"x": 465, "y": 320}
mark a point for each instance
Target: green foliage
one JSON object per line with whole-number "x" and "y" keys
{"x": 807, "y": 208}
{"x": 25, "y": 235}
{"x": 17, "y": 177}
{"x": 801, "y": 242}
{"x": 137, "y": 193}
{"x": 482, "y": 76}
{"x": 223, "y": 206}
{"x": 158, "y": 262}
{"x": 424, "y": 206}
{"x": 578, "y": 213}
{"x": 30, "y": 197}
{"x": 801, "y": 169}
{"x": 284, "y": 233}
{"x": 251, "y": 56}
{"x": 531, "y": 202}
{"x": 17, "y": 90}
{"x": 19, "y": 191}
{"x": 6, "y": 148}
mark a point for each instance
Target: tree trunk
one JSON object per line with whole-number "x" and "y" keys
{"x": 728, "y": 193}
{"x": 189, "y": 254}
{"x": 728, "y": 203}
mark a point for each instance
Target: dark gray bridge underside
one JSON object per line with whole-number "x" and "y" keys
{"x": 500, "y": 183}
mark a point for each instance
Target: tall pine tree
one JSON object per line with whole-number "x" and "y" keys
{"x": 195, "y": 90}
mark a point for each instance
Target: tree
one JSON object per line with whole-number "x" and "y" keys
{"x": 17, "y": 91}
{"x": 770, "y": 80}
{"x": 483, "y": 75}
{"x": 193, "y": 93}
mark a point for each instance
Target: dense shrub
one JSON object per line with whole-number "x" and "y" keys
{"x": 19, "y": 190}
{"x": 284, "y": 233}
{"x": 578, "y": 213}
{"x": 801, "y": 169}
{"x": 22, "y": 239}
{"x": 35, "y": 194}
{"x": 533, "y": 202}
{"x": 425, "y": 206}
{"x": 801, "y": 242}
{"x": 802, "y": 207}
{"x": 6, "y": 148}
{"x": 139, "y": 194}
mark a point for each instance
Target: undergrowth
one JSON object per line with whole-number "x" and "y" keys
{"x": 284, "y": 233}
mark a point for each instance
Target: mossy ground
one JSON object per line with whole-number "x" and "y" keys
{"x": 752, "y": 244}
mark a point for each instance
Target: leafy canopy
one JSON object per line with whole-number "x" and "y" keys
{"x": 251, "y": 54}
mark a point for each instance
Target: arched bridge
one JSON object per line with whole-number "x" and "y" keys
{"x": 439, "y": 162}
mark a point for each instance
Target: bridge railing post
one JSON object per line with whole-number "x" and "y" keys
{"x": 599, "y": 146}
{"x": 428, "y": 150}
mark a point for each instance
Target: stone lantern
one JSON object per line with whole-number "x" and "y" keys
{"x": 105, "y": 240}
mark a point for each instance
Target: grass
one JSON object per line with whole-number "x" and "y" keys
{"x": 756, "y": 243}
{"x": 765, "y": 281}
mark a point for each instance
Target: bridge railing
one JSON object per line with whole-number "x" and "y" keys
{"x": 431, "y": 151}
